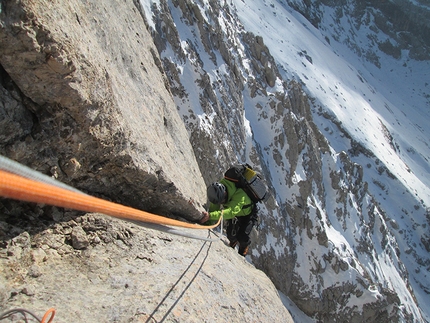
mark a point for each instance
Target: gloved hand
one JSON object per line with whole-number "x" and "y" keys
{"x": 205, "y": 217}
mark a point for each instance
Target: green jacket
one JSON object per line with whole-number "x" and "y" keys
{"x": 236, "y": 204}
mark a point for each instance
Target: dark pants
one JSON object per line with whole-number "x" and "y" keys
{"x": 239, "y": 229}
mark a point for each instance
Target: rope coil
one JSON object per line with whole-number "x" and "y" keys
{"x": 23, "y": 311}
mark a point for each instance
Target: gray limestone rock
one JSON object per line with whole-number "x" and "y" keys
{"x": 88, "y": 105}
{"x": 143, "y": 276}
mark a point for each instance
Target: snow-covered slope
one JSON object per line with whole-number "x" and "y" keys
{"x": 361, "y": 233}
{"x": 385, "y": 109}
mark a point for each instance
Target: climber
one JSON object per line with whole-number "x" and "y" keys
{"x": 236, "y": 207}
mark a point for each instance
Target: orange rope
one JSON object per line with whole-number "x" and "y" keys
{"x": 51, "y": 310}
{"x": 20, "y": 188}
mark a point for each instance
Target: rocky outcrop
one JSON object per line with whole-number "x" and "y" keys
{"x": 97, "y": 269}
{"x": 83, "y": 100}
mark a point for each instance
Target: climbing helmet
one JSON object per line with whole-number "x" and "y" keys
{"x": 217, "y": 193}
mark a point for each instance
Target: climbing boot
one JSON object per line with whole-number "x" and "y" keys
{"x": 243, "y": 251}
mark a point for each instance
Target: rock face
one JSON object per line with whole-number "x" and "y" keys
{"x": 97, "y": 269}
{"x": 83, "y": 100}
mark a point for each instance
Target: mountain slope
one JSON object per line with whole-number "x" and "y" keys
{"x": 346, "y": 234}
{"x": 376, "y": 109}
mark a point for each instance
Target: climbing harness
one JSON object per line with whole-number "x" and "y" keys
{"x": 32, "y": 186}
{"x": 23, "y": 311}
{"x": 234, "y": 229}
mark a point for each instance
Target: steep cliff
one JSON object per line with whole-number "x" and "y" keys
{"x": 326, "y": 238}
{"x": 85, "y": 101}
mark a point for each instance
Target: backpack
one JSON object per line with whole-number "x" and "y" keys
{"x": 247, "y": 179}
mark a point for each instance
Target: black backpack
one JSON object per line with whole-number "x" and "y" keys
{"x": 247, "y": 179}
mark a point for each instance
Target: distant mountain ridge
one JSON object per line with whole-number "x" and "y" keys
{"x": 405, "y": 22}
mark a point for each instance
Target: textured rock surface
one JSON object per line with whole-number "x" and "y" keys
{"x": 84, "y": 101}
{"x": 130, "y": 274}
